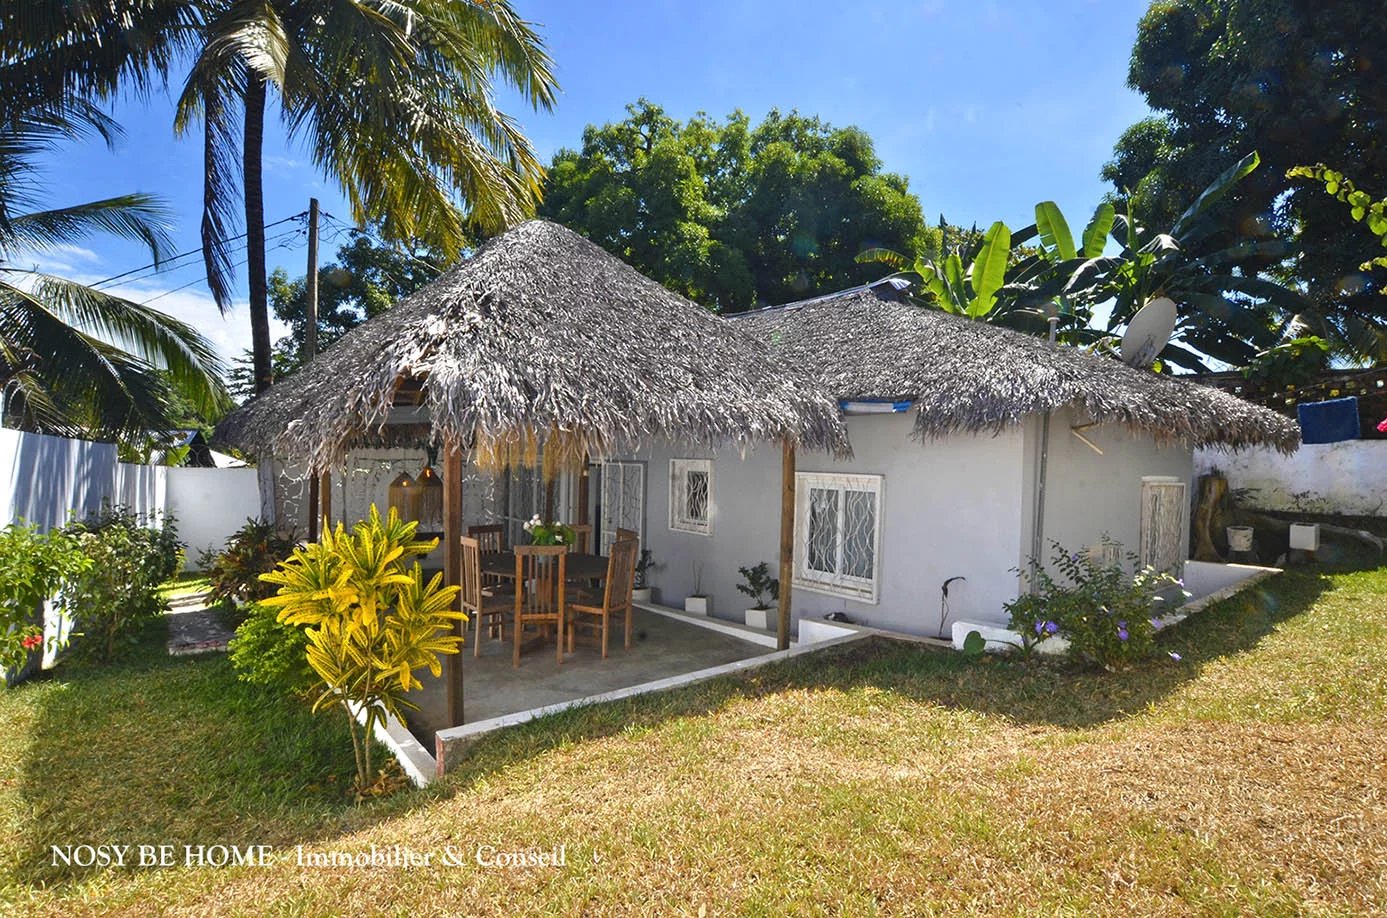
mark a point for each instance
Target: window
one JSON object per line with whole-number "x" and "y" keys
{"x": 838, "y": 534}
{"x": 690, "y": 495}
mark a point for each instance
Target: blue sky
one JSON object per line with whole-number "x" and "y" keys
{"x": 987, "y": 107}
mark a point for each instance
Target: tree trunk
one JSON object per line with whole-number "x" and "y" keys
{"x": 252, "y": 148}
{"x": 1210, "y": 513}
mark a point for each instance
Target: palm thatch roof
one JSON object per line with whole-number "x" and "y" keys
{"x": 540, "y": 338}
{"x": 868, "y": 343}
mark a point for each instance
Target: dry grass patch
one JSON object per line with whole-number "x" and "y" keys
{"x": 876, "y": 779}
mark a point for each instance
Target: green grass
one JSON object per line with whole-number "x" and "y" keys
{"x": 880, "y": 777}
{"x": 189, "y": 584}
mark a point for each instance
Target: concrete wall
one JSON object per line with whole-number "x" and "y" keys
{"x": 949, "y": 508}
{"x": 49, "y": 480}
{"x": 1088, "y": 495}
{"x": 1348, "y": 478}
{"x": 208, "y": 505}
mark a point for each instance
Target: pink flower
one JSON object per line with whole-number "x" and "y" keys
{"x": 1382, "y": 427}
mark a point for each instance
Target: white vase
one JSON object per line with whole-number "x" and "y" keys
{"x": 698, "y": 605}
{"x": 641, "y": 594}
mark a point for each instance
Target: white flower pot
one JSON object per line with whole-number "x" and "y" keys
{"x": 698, "y": 605}
{"x": 642, "y": 594}
{"x": 1305, "y": 536}
{"x": 764, "y": 619}
{"x": 1239, "y": 538}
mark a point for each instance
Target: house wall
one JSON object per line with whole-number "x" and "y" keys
{"x": 1347, "y": 478}
{"x": 1088, "y": 495}
{"x": 950, "y": 508}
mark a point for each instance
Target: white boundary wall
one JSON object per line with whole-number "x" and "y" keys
{"x": 1348, "y": 478}
{"x": 48, "y": 480}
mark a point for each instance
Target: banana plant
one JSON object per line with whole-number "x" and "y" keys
{"x": 962, "y": 282}
{"x": 1036, "y": 282}
{"x": 1226, "y": 310}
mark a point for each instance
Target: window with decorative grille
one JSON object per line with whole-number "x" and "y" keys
{"x": 691, "y": 495}
{"x": 838, "y": 534}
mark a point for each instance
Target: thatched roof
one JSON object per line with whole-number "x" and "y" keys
{"x": 540, "y": 337}
{"x": 870, "y": 344}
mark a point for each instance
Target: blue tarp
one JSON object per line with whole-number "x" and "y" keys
{"x": 1328, "y": 422}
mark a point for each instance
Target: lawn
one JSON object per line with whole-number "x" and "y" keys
{"x": 1248, "y": 778}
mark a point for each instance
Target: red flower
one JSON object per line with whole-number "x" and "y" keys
{"x": 32, "y": 641}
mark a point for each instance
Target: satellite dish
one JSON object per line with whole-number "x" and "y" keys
{"x": 1149, "y": 332}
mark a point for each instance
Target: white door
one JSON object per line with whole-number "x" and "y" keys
{"x": 623, "y": 500}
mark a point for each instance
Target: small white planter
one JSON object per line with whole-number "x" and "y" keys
{"x": 1239, "y": 538}
{"x": 698, "y": 605}
{"x": 1305, "y": 536}
{"x": 764, "y": 619}
{"x": 642, "y": 594}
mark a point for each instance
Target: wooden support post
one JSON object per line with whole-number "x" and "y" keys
{"x": 452, "y": 567}
{"x": 314, "y": 513}
{"x": 325, "y": 496}
{"x": 787, "y": 541}
{"x": 583, "y": 493}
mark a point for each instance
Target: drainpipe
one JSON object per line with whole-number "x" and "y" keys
{"x": 1038, "y": 523}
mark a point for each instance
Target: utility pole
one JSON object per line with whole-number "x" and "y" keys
{"x": 310, "y": 349}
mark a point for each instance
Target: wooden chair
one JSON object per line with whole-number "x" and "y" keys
{"x": 616, "y": 596}
{"x": 623, "y": 535}
{"x": 481, "y": 604}
{"x": 582, "y": 538}
{"x": 491, "y": 538}
{"x": 540, "y": 571}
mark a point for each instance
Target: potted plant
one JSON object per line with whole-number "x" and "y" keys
{"x": 698, "y": 602}
{"x": 554, "y": 533}
{"x": 764, "y": 590}
{"x": 642, "y": 591}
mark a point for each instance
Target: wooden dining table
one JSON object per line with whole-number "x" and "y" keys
{"x": 579, "y": 567}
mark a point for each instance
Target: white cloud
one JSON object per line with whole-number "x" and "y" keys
{"x": 229, "y": 333}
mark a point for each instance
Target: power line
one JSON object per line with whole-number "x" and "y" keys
{"x": 238, "y": 264}
{"x": 231, "y": 251}
{"x": 159, "y": 266}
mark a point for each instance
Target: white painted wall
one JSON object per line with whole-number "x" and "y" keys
{"x": 1088, "y": 495}
{"x": 1348, "y": 478}
{"x": 208, "y": 505}
{"x": 950, "y": 508}
{"x": 49, "y": 480}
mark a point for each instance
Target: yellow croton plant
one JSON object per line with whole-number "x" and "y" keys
{"x": 370, "y": 620}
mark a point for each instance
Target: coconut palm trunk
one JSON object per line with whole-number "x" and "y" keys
{"x": 253, "y": 141}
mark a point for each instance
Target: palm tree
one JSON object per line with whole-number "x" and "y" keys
{"x": 393, "y": 98}
{"x": 394, "y": 101}
{"x": 74, "y": 359}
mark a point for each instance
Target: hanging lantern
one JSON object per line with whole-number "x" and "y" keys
{"x": 404, "y": 497}
{"x": 428, "y": 489}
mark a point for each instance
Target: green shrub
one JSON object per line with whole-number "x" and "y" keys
{"x": 33, "y": 566}
{"x": 267, "y": 652}
{"x": 234, "y": 572}
{"x": 1105, "y": 613}
{"x": 130, "y": 556}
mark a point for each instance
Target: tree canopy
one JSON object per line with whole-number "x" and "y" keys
{"x": 1299, "y": 83}
{"x": 734, "y": 215}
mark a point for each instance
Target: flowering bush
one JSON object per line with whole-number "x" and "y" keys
{"x": 33, "y": 566}
{"x": 1107, "y": 615}
{"x": 554, "y": 533}
{"x": 110, "y": 600}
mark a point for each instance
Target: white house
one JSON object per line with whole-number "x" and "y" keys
{"x": 947, "y": 419}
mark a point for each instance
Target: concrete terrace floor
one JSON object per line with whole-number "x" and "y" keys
{"x": 660, "y": 647}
